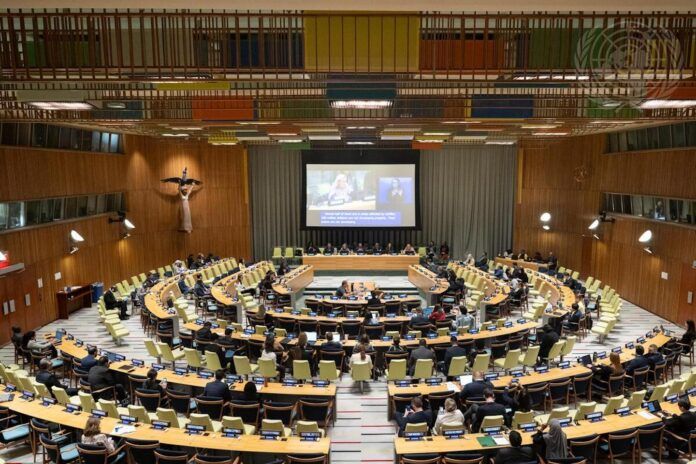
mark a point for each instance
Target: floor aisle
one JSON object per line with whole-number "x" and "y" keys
{"x": 362, "y": 432}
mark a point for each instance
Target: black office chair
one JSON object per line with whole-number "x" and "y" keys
{"x": 141, "y": 451}
{"x": 98, "y": 454}
{"x": 167, "y": 456}
{"x": 318, "y": 410}
{"x": 619, "y": 444}
{"x": 276, "y": 410}
{"x": 213, "y": 407}
{"x": 651, "y": 437}
{"x": 248, "y": 411}
{"x": 585, "y": 447}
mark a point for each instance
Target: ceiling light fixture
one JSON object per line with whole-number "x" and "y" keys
{"x": 500, "y": 142}
{"x": 549, "y": 134}
{"x": 361, "y": 127}
{"x": 55, "y": 106}
{"x": 545, "y": 217}
{"x": 437, "y": 133}
{"x": 663, "y": 104}
{"x": 324, "y": 137}
{"x": 594, "y": 225}
{"x": 112, "y": 105}
{"x": 539, "y": 126}
{"x": 361, "y": 104}
{"x": 396, "y": 137}
{"x": 178, "y": 134}
{"x": 359, "y": 142}
{"x": 649, "y": 250}
{"x": 290, "y": 140}
{"x": 546, "y": 227}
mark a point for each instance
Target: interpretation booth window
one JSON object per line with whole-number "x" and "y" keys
{"x": 19, "y": 214}
{"x": 40, "y": 135}
{"x": 679, "y": 135}
{"x": 674, "y": 210}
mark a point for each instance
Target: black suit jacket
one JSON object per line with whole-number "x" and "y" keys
{"x": 88, "y": 362}
{"x": 110, "y": 300}
{"x": 547, "y": 341}
{"x": 49, "y": 379}
{"x": 512, "y": 455}
{"x": 453, "y": 352}
{"x": 682, "y": 424}
{"x": 637, "y": 363}
{"x": 100, "y": 377}
{"x": 217, "y": 389}
{"x": 474, "y": 390}
{"x": 488, "y": 409}
{"x": 416, "y": 418}
{"x": 419, "y": 320}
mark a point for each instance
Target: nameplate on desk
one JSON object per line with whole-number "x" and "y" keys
{"x": 200, "y": 321}
{"x": 601, "y": 355}
{"x": 649, "y": 335}
{"x": 270, "y": 434}
{"x": 390, "y": 316}
{"x": 453, "y": 434}
{"x": 331, "y": 315}
{"x": 214, "y": 325}
{"x": 194, "y": 429}
{"x": 491, "y": 328}
{"x": 492, "y": 430}
{"x": 128, "y": 420}
{"x": 548, "y": 310}
{"x": 433, "y": 381}
{"x": 641, "y": 340}
{"x": 507, "y": 324}
{"x": 386, "y": 338}
{"x": 402, "y": 383}
{"x": 431, "y": 335}
{"x": 491, "y": 376}
{"x": 249, "y": 331}
{"x": 290, "y": 382}
{"x": 320, "y": 383}
{"x": 673, "y": 398}
{"x": 409, "y": 337}
{"x": 79, "y": 343}
{"x": 71, "y": 408}
{"x": 45, "y": 401}
{"x": 594, "y": 417}
{"x": 98, "y": 413}
{"x": 70, "y": 337}
{"x": 517, "y": 373}
{"x": 334, "y": 297}
{"x": 433, "y": 288}
{"x": 564, "y": 364}
{"x": 310, "y": 436}
{"x": 414, "y": 436}
{"x": 541, "y": 369}
{"x": 137, "y": 362}
{"x": 118, "y": 357}
{"x": 295, "y": 312}
{"x": 259, "y": 380}
{"x": 10, "y": 388}
{"x": 387, "y": 297}
{"x": 528, "y": 427}
{"x": 232, "y": 433}
{"x": 27, "y": 395}
{"x": 157, "y": 367}
{"x": 181, "y": 371}
{"x": 160, "y": 425}
{"x": 630, "y": 345}
{"x": 691, "y": 391}
{"x": 473, "y": 331}
{"x": 625, "y": 411}
{"x": 205, "y": 375}
{"x": 312, "y": 314}
{"x": 565, "y": 422}
{"x": 231, "y": 378}
{"x": 616, "y": 350}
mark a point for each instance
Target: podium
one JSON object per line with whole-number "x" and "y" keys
{"x": 73, "y": 298}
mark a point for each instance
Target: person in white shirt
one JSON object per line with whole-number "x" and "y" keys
{"x": 450, "y": 415}
{"x": 92, "y": 435}
{"x": 360, "y": 357}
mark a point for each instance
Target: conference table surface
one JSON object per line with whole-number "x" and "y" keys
{"x": 294, "y": 281}
{"x": 398, "y": 262}
{"x": 193, "y": 380}
{"x": 171, "y": 436}
{"x": 533, "y": 265}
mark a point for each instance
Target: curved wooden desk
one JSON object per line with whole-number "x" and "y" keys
{"x": 294, "y": 282}
{"x": 427, "y": 282}
{"x": 361, "y": 262}
{"x": 224, "y": 291}
{"x": 171, "y": 436}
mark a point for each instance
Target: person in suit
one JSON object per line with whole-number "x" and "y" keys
{"x": 389, "y": 249}
{"x": 217, "y": 388}
{"x": 374, "y": 299}
{"x": 523, "y": 255}
{"x": 311, "y": 249}
{"x": 343, "y": 290}
{"x": 573, "y": 321}
{"x": 552, "y": 261}
{"x": 111, "y": 302}
{"x": 418, "y": 318}
{"x": 90, "y": 360}
{"x": 152, "y": 279}
{"x": 48, "y": 378}
{"x": 548, "y": 339}
{"x": 344, "y": 250}
{"x": 474, "y": 389}
{"x": 415, "y": 414}
{"x": 377, "y": 249}
{"x": 183, "y": 288}
{"x": 654, "y": 356}
{"x": 568, "y": 281}
{"x": 283, "y": 267}
{"x": 409, "y": 250}
{"x": 680, "y": 425}
{"x": 515, "y": 453}
{"x": 638, "y": 362}
{"x": 330, "y": 344}
{"x": 480, "y": 345}
{"x": 444, "y": 251}
{"x": 456, "y": 286}
{"x": 360, "y": 249}
{"x": 488, "y": 408}
{"x": 101, "y": 377}
{"x": 205, "y": 335}
{"x": 454, "y": 351}
{"x": 482, "y": 262}
{"x": 201, "y": 290}
{"x": 329, "y": 249}
{"x": 499, "y": 272}
{"x": 422, "y": 352}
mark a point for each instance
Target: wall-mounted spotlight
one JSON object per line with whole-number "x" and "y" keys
{"x": 546, "y": 227}
{"x": 645, "y": 237}
{"x": 127, "y": 225}
{"x": 75, "y": 239}
{"x": 545, "y": 217}
{"x": 3, "y": 255}
{"x": 594, "y": 225}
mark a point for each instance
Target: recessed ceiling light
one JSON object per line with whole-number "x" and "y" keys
{"x": 358, "y": 142}
{"x": 500, "y": 142}
{"x": 324, "y": 136}
{"x": 461, "y": 122}
{"x": 54, "y": 106}
{"x": 185, "y": 128}
{"x": 396, "y": 137}
{"x": 437, "y": 133}
{"x": 361, "y": 127}
{"x": 290, "y": 140}
{"x": 361, "y": 104}
{"x": 258, "y": 123}
{"x": 128, "y": 224}
{"x": 660, "y": 104}
{"x": 76, "y": 237}
{"x": 545, "y": 217}
{"x": 116, "y": 105}
{"x": 539, "y": 126}
{"x": 549, "y": 134}
{"x": 546, "y": 227}
{"x": 178, "y": 134}
{"x": 401, "y": 129}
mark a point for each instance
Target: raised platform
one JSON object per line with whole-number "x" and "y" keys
{"x": 361, "y": 262}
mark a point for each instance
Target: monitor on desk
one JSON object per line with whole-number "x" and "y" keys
{"x": 311, "y": 337}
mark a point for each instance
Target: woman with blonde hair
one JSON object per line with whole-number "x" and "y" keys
{"x": 92, "y": 435}
{"x": 450, "y": 415}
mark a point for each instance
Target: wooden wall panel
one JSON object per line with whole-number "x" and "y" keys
{"x": 548, "y": 183}
{"x": 220, "y": 215}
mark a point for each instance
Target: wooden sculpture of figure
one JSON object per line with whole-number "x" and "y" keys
{"x": 185, "y": 188}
